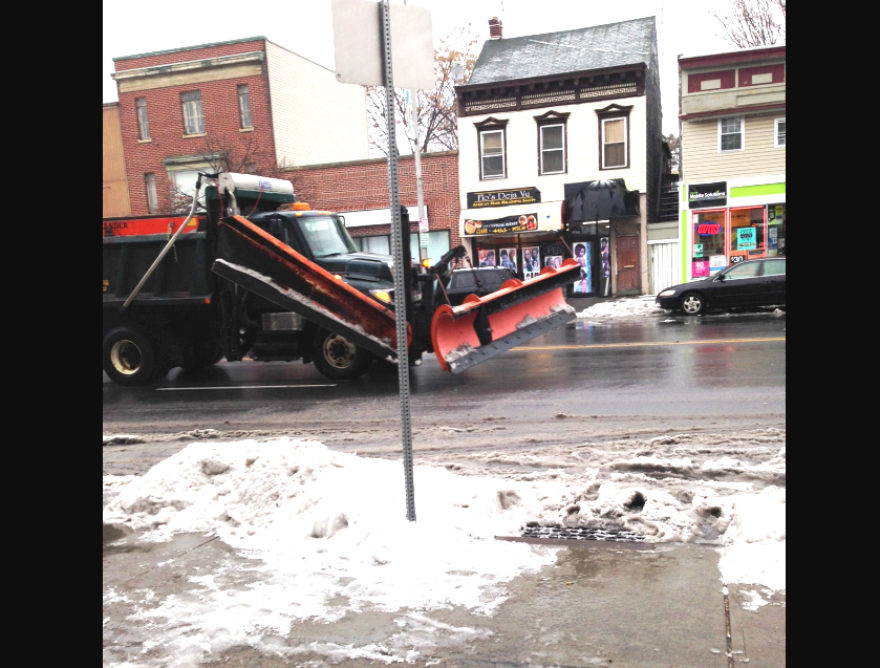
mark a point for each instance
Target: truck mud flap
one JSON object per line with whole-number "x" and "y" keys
{"x": 481, "y": 328}
{"x": 257, "y": 261}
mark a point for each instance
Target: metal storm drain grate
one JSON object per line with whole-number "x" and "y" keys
{"x": 581, "y": 533}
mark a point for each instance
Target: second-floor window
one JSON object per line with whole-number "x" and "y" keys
{"x": 244, "y": 106}
{"x": 152, "y": 199}
{"x": 142, "y": 118}
{"x": 193, "y": 120}
{"x": 614, "y": 134}
{"x": 492, "y": 154}
{"x": 552, "y": 142}
{"x": 780, "y": 133}
{"x": 730, "y": 134}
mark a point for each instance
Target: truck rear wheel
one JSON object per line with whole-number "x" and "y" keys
{"x": 337, "y": 358}
{"x": 130, "y": 357}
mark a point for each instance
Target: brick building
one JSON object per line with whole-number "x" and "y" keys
{"x": 241, "y": 105}
{"x": 359, "y": 190}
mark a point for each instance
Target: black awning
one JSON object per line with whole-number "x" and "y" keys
{"x": 603, "y": 199}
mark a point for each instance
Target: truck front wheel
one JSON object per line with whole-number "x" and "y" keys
{"x": 130, "y": 357}
{"x": 337, "y": 358}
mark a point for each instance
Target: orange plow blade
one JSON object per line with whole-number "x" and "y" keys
{"x": 259, "y": 262}
{"x": 481, "y": 328}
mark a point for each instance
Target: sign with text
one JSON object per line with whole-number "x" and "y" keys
{"x": 717, "y": 262}
{"x": 746, "y": 238}
{"x": 505, "y": 225}
{"x": 702, "y": 195}
{"x": 708, "y": 229}
{"x": 490, "y": 198}
{"x": 700, "y": 268}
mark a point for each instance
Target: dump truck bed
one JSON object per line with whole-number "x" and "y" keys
{"x": 183, "y": 277}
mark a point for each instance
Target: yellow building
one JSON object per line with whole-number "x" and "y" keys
{"x": 116, "y": 201}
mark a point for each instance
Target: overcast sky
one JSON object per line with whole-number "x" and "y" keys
{"x": 306, "y": 27}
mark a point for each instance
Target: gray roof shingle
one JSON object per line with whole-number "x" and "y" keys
{"x": 595, "y": 47}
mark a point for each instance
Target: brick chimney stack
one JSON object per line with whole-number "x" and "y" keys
{"x": 494, "y": 28}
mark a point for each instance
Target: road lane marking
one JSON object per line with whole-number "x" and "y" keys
{"x": 244, "y": 387}
{"x": 650, "y": 343}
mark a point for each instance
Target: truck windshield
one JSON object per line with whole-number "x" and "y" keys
{"x": 326, "y": 235}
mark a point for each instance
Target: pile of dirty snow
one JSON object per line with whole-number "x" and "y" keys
{"x": 622, "y": 308}
{"x": 328, "y": 534}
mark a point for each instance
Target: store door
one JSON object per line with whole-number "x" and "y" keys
{"x": 628, "y": 265}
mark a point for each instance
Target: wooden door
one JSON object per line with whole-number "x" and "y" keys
{"x": 628, "y": 275}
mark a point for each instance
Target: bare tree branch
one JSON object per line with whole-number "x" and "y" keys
{"x": 437, "y": 106}
{"x": 751, "y": 23}
{"x": 225, "y": 153}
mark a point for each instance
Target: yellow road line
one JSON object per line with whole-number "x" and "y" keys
{"x": 705, "y": 342}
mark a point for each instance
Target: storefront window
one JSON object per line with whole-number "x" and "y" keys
{"x": 708, "y": 252}
{"x": 438, "y": 244}
{"x": 747, "y": 234}
{"x": 583, "y": 253}
{"x": 776, "y": 230}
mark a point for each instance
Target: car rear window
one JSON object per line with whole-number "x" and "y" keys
{"x": 744, "y": 270}
{"x": 774, "y": 267}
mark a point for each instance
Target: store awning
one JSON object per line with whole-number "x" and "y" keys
{"x": 516, "y": 219}
{"x": 604, "y": 199}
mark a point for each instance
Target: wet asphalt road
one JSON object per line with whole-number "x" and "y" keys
{"x": 651, "y": 372}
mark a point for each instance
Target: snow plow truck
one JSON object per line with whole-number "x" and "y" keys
{"x": 285, "y": 282}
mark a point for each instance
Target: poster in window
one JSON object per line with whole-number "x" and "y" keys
{"x": 717, "y": 263}
{"x": 606, "y": 257}
{"x": 581, "y": 254}
{"x": 584, "y": 285}
{"x": 700, "y": 268}
{"x": 746, "y": 238}
{"x": 698, "y": 250}
{"x": 554, "y": 261}
{"x": 487, "y": 257}
{"x": 507, "y": 259}
{"x": 531, "y": 261}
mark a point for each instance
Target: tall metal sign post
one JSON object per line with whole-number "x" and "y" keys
{"x": 363, "y": 59}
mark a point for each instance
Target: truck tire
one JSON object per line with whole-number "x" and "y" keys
{"x": 129, "y": 357}
{"x": 337, "y": 358}
{"x": 201, "y": 355}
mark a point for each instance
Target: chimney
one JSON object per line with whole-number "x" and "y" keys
{"x": 494, "y": 28}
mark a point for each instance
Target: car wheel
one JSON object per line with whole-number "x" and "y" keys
{"x": 130, "y": 357}
{"x": 337, "y": 358}
{"x": 692, "y": 303}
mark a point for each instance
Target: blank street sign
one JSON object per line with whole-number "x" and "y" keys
{"x": 357, "y": 43}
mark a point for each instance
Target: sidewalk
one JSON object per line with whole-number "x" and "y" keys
{"x": 598, "y": 605}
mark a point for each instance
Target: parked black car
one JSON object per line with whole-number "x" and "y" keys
{"x": 748, "y": 283}
{"x": 477, "y": 281}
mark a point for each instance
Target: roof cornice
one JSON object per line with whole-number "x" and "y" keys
{"x": 526, "y": 81}
{"x": 188, "y": 48}
{"x": 190, "y": 65}
{"x": 733, "y": 57}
